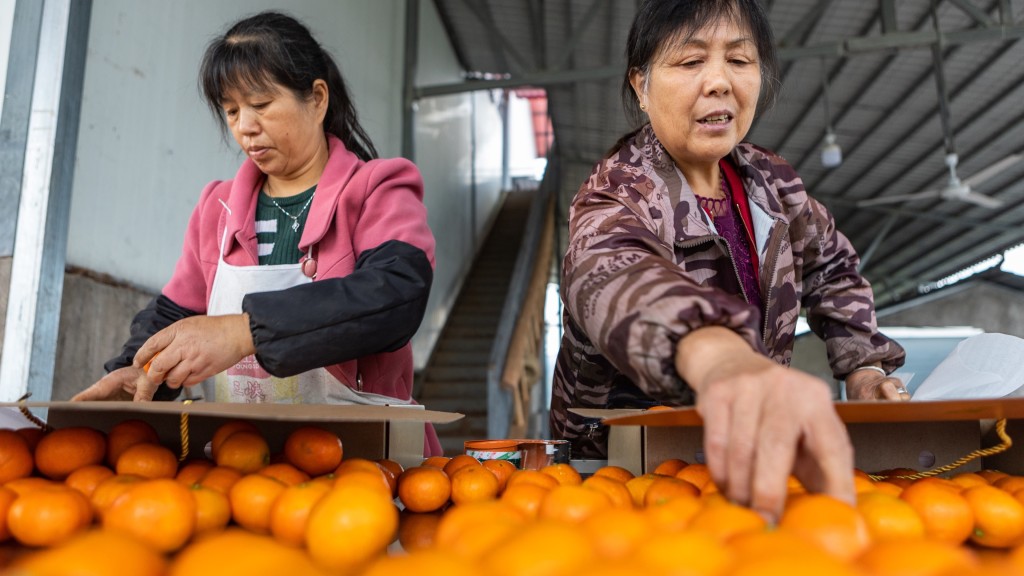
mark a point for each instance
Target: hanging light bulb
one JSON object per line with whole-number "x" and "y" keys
{"x": 831, "y": 153}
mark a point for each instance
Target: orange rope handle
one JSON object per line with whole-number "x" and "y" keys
{"x": 184, "y": 432}
{"x": 32, "y": 417}
{"x": 1005, "y": 445}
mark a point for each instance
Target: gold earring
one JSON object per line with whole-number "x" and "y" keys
{"x": 643, "y": 106}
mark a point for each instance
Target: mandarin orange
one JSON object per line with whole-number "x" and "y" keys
{"x": 15, "y": 457}
{"x": 127, "y": 433}
{"x": 160, "y": 512}
{"x": 313, "y": 450}
{"x": 62, "y": 451}
{"x": 424, "y": 488}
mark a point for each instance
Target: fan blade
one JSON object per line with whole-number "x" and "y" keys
{"x": 982, "y": 200}
{"x": 975, "y": 180}
{"x": 899, "y": 198}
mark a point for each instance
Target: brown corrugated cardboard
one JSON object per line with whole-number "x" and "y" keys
{"x": 394, "y": 432}
{"x": 919, "y": 435}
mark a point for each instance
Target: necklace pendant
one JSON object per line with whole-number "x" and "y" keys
{"x": 295, "y": 225}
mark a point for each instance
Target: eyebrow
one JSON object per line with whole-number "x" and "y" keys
{"x": 730, "y": 44}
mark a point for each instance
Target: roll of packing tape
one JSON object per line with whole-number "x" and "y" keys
{"x": 495, "y": 450}
{"x": 540, "y": 453}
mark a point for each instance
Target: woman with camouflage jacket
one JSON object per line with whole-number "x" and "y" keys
{"x": 690, "y": 255}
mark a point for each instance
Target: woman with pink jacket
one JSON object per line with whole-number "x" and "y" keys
{"x": 303, "y": 279}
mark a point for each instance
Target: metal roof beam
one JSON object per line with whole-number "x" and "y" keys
{"x": 798, "y": 34}
{"x": 534, "y": 79}
{"x": 899, "y": 40}
{"x": 974, "y": 12}
{"x": 952, "y": 221}
{"x": 502, "y": 44}
{"x": 887, "y": 12}
{"x": 580, "y": 31}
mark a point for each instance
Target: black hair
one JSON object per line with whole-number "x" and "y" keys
{"x": 659, "y": 22}
{"x": 274, "y": 48}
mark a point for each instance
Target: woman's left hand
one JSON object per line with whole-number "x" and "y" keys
{"x": 195, "y": 348}
{"x": 871, "y": 385}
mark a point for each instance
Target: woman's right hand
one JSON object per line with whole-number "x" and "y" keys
{"x": 128, "y": 383}
{"x": 763, "y": 422}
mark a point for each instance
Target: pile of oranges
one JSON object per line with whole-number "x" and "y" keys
{"x": 121, "y": 503}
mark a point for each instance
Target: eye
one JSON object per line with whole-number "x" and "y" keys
{"x": 261, "y": 105}
{"x": 691, "y": 63}
{"x": 230, "y": 112}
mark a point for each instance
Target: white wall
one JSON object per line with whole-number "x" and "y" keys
{"x": 147, "y": 144}
{"x": 6, "y": 22}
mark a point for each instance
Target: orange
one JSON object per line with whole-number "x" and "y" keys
{"x": 969, "y": 479}
{"x": 213, "y": 509}
{"x": 252, "y": 499}
{"x": 227, "y": 429}
{"x": 674, "y": 515}
{"x": 615, "y": 473}
{"x": 638, "y": 487}
{"x": 802, "y": 565}
{"x": 352, "y": 464}
{"x": 192, "y": 471}
{"x": 696, "y": 474}
{"x": 992, "y": 476}
{"x": 831, "y": 524}
{"x": 474, "y": 529}
{"x": 574, "y": 551}
{"x": 665, "y": 553}
{"x": 220, "y": 478}
{"x": 363, "y": 519}
{"x": 459, "y": 462}
{"x": 998, "y": 516}
{"x": 127, "y": 433}
{"x": 888, "y": 488}
{"x": 160, "y": 513}
{"x": 1010, "y": 484}
{"x": 436, "y": 461}
{"x": 48, "y": 516}
{"x": 616, "y": 532}
{"x": 664, "y": 489}
{"x": 572, "y": 504}
{"x": 95, "y": 553}
{"x": 235, "y": 552}
{"x": 290, "y": 511}
{"x": 723, "y": 520}
{"x": 945, "y": 512}
{"x": 422, "y": 563}
{"x": 31, "y": 436}
{"x": 148, "y": 460}
{"x": 417, "y": 530}
{"x": 473, "y": 483}
{"x": 670, "y": 467}
{"x": 246, "y": 452}
{"x": 424, "y": 489}
{"x": 616, "y": 491}
{"x": 860, "y": 485}
{"x": 753, "y": 546}
{"x": 22, "y": 485}
{"x": 87, "y": 478}
{"x": 369, "y": 478}
{"x": 502, "y": 470}
{"x": 889, "y": 517}
{"x": 110, "y": 490}
{"x": 392, "y": 470}
{"x": 532, "y": 477}
{"x": 313, "y": 450}
{"x": 15, "y": 457}
{"x": 286, "y": 473}
{"x": 916, "y": 557}
{"x": 526, "y": 498}
{"x": 62, "y": 451}
{"x": 564, "y": 473}
{"x": 7, "y": 497}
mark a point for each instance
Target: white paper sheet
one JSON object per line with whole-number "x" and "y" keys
{"x": 989, "y": 365}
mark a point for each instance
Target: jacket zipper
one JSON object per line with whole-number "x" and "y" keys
{"x": 714, "y": 238}
{"x": 768, "y": 295}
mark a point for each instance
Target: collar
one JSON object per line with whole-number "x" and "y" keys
{"x": 241, "y": 220}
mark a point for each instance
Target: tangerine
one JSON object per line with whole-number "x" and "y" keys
{"x": 502, "y": 470}
{"x": 889, "y": 517}
{"x": 697, "y": 474}
{"x": 313, "y": 450}
{"x": 532, "y": 477}
{"x": 286, "y": 473}
{"x": 31, "y": 435}
{"x": 192, "y": 471}
{"x": 160, "y": 513}
{"x": 227, "y": 429}
{"x": 473, "y": 483}
{"x": 616, "y": 532}
{"x": 436, "y": 461}
{"x": 945, "y": 512}
{"x": 615, "y": 473}
{"x": 15, "y": 457}
{"x": 674, "y": 515}
{"x": 62, "y": 451}
{"x": 424, "y": 489}
{"x": 724, "y": 520}
{"x": 48, "y": 516}
{"x": 220, "y": 478}
{"x": 235, "y": 552}
{"x": 252, "y": 498}
{"x": 290, "y": 512}
{"x": 670, "y": 467}
{"x": 95, "y": 553}
{"x": 572, "y": 504}
{"x": 459, "y": 462}
{"x": 7, "y": 497}
{"x": 213, "y": 509}
{"x": 998, "y": 516}
{"x": 564, "y": 473}
{"x": 127, "y": 433}
{"x": 667, "y": 488}
{"x": 110, "y": 490}
{"x": 616, "y": 491}
{"x": 148, "y": 460}
{"x": 87, "y": 478}
{"x": 417, "y": 530}
{"x": 525, "y": 497}
{"x": 246, "y": 452}
{"x": 360, "y": 517}
{"x": 916, "y": 556}
{"x": 833, "y": 525}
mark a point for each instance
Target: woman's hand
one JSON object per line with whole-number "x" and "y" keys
{"x": 762, "y": 422}
{"x": 128, "y": 383}
{"x": 872, "y": 385}
{"x": 195, "y": 348}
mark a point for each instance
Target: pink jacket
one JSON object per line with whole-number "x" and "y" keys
{"x": 358, "y": 206}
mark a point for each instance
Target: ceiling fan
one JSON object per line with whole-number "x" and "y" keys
{"x": 955, "y": 188}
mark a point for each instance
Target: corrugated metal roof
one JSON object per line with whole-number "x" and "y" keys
{"x": 884, "y": 107}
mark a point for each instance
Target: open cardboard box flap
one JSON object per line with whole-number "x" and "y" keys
{"x": 885, "y": 435}
{"x": 373, "y": 432}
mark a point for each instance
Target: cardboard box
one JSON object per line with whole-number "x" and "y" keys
{"x": 919, "y": 435}
{"x": 373, "y": 432}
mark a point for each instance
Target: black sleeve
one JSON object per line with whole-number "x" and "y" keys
{"x": 376, "y": 308}
{"x": 160, "y": 313}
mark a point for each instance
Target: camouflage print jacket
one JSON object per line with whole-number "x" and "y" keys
{"x": 644, "y": 267}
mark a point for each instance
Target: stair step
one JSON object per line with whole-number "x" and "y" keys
{"x": 451, "y": 344}
{"x": 441, "y": 373}
{"x": 472, "y": 331}
{"x": 451, "y": 389}
{"x": 462, "y": 405}
{"x": 480, "y": 357}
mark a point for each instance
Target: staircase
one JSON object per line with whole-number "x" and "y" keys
{"x": 455, "y": 379}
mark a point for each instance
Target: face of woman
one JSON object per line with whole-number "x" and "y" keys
{"x": 281, "y": 133}
{"x": 701, "y": 96}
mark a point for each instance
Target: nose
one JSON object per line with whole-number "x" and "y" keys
{"x": 247, "y": 123}
{"x": 717, "y": 81}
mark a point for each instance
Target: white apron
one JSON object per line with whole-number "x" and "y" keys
{"x": 247, "y": 381}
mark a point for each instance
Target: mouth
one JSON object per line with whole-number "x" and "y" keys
{"x": 256, "y": 151}
{"x": 716, "y": 119}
